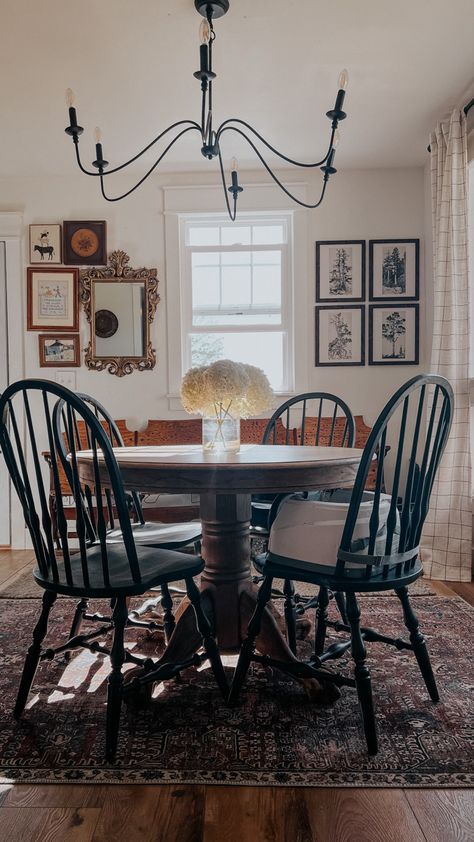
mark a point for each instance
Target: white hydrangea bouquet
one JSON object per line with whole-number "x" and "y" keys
{"x": 223, "y": 393}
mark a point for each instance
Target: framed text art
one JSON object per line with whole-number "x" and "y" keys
{"x": 52, "y": 299}
{"x": 45, "y": 243}
{"x": 394, "y": 334}
{"x": 85, "y": 243}
{"x": 340, "y": 335}
{"x": 394, "y": 269}
{"x": 61, "y": 350}
{"x": 340, "y": 270}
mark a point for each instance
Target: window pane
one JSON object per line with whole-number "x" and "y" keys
{"x": 224, "y": 319}
{"x": 206, "y": 286}
{"x": 267, "y": 234}
{"x": 263, "y": 350}
{"x": 267, "y": 285}
{"x": 236, "y": 288}
{"x": 266, "y": 257}
{"x": 235, "y": 235}
{"x": 205, "y": 258}
{"x": 203, "y": 236}
{"x": 230, "y": 258}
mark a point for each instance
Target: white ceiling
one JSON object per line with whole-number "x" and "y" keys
{"x": 131, "y": 63}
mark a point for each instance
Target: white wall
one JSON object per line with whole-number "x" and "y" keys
{"x": 360, "y": 204}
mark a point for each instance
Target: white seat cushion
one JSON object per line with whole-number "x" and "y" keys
{"x": 309, "y": 529}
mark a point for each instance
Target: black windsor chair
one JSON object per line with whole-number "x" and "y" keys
{"x": 165, "y": 536}
{"x": 113, "y": 571}
{"x": 312, "y": 418}
{"x": 380, "y": 554}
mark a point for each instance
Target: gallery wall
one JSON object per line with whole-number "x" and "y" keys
{"x": 362, "y": 204}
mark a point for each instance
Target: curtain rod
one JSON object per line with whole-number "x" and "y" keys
{"x": 466, "y": 110}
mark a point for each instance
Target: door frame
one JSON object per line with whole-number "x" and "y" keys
{"x": 11, "y": 233}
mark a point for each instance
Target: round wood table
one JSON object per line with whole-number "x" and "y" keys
{"x": 225, "y": 483}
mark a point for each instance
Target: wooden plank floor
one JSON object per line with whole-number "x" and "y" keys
{"x": 56, "y": 813}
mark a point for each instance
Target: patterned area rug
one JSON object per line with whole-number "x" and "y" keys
{"x": 24, "y": 586}
{"x": 274, "y": 737}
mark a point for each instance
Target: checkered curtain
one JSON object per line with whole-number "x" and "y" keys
{"x": 447, "y": 536}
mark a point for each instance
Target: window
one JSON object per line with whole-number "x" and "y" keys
{"x": 236, "y": 293}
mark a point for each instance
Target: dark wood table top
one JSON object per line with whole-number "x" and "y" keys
{"x": 255, "y": 468}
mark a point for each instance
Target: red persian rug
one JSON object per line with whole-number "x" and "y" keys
{"x": 276, "y": 736}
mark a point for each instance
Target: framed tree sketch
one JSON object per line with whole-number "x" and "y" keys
{"x": 394, "y": 334}
{"x": 56, "y": 351}
{"x": 340, "y": 270}
{"x": 52, "y": 299}
{"x": 45, "y": 243}
{"x": 394, "y": 269}
{"x": 340, "y": 335}
{"x": 85, "y": 243}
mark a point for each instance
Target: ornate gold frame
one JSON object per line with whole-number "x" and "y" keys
{"x": 118, "y": 270}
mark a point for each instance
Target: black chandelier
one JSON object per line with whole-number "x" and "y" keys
{"x": 211, "y": 138}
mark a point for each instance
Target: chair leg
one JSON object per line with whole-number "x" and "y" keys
{"x": 321, "y": 621}
{"x": 115, "y": 679}
{"x": 209, "y": 642}
{"x": 33, "y": 654}
{"x": 168, "y": 617}
{"x": 248, "y": 646}
{"x": 341, "y": 604}
{"x": 290, "y": 618}
{"x": 418, "y": 642}
{"x": 81, "y": 608}
{"x": 362, "y": 674}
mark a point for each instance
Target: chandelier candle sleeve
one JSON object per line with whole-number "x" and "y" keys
{"x": 212, "y": 139}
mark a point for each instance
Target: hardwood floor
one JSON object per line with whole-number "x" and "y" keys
{"x": 56, "y": 813}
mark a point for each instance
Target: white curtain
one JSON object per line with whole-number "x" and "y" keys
{"x": 447, "y": 536}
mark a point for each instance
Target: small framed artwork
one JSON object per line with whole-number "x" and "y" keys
{"x": 340, "y": 270}
{"x": 340, "y": 335}
{"x": 52, "y": 299}
{"x": 394, "y": 269}
{"x": 59, "y": 350}
{"x": 45, "y": 243}
{"x": 85, "y": 243}
{"x": 394, "y": 334}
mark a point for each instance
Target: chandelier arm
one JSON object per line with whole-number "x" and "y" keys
{"x": 191, "y": 125}
{"x": 232, "y": 215}
{"x": 274, "y": 177}
{"x": 225, "y": 126}
{"x": 152, "y": 168}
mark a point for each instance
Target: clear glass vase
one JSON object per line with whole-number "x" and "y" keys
{"x": 220, "y": 433}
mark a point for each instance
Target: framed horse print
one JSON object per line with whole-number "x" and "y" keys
{"x": 45, "y": 243}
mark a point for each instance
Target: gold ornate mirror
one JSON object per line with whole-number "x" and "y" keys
{"x": 120, "y": 305}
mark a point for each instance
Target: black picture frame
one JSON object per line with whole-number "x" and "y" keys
{"x": 376, "y": 359}
{"x": 320, "y": 312}
{"x": 93, "y": 234}
{"x": 373, "y": 296}
{"x": 332, "y": 299}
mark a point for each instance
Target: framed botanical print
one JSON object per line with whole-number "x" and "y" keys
{"x": 340, "y": 270}
{"x": 394, "y": 334}
{"x": 45, "y": 243}
{"x": 52, "y": 299}
{"x": 394, "y": 269}
{"x": 61, "y": 350}
{"x": 340, "y": 335}
{"x": 85, "y": 243}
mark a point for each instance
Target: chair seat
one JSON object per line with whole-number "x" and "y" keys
{"x": 167, "y": 536}
{"x": 157, "y": 567}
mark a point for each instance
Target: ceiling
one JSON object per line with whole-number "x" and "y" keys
{"x": 131, "y": 63}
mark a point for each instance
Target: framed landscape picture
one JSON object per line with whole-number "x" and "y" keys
{"x": 45, "y": 243}
{"x": 340, "y": 270}
{"x": 340, "y": 335}
{"x": 61, "y": 350}
{"x": 85, "y": 243}
{"x": 394, "y": 334}
{"x": 394, "y": 269}
{"x": 52, "y": 299}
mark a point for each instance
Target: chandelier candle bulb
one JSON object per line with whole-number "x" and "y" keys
{"x": 343, "y": 80}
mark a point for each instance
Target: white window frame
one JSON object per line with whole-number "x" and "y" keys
{"x": 286, "y": 326}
